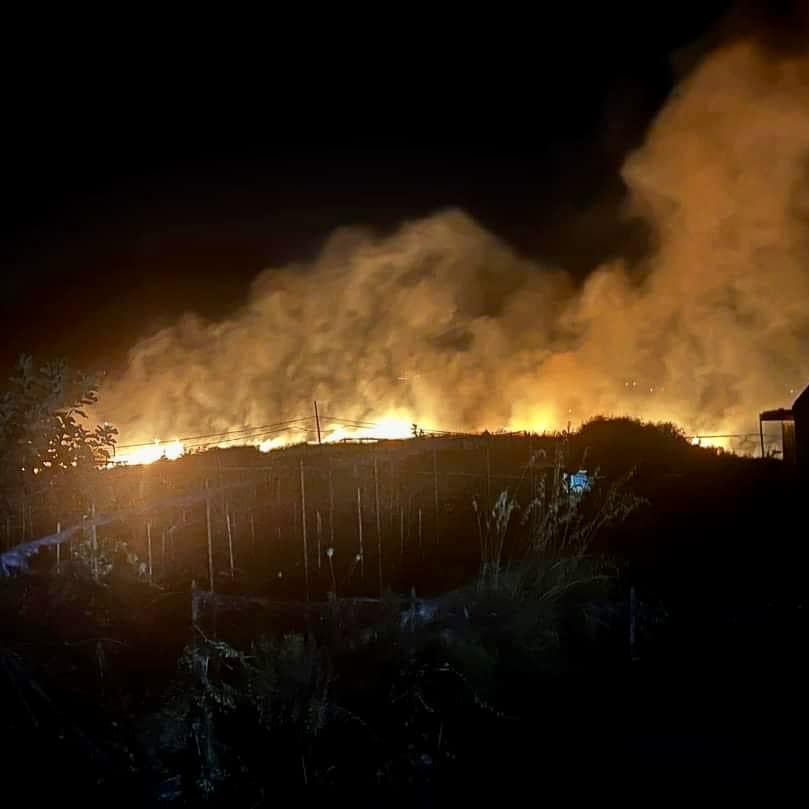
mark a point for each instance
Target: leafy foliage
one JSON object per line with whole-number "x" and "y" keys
{"x": 43, "y": 432}
{"x": 278, "y": 694}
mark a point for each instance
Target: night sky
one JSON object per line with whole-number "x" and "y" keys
{"x": 133, "y": 197}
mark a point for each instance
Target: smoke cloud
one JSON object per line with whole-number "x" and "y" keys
{"x": 444, "y": 325}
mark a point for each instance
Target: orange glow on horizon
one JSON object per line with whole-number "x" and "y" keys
{"x": 391, "y": 426}
{"x": 395, "y": 425}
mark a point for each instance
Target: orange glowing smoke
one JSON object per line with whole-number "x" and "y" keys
{"x": 442, "y": 324}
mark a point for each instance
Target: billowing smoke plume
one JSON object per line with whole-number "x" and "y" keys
{"x": 446, "y": 326}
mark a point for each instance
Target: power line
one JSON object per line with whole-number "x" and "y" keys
{"x": 290, "y": 425}
{"x": 248, "y": 433}
{"x": 256, "y": 436}
{"x": 244, "y": 433}
{"x": 726, "y": 435}
{"x": 353, "y": 422}
{"x": 266, "y": 427}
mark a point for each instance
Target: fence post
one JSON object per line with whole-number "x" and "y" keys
{"x": 303, "y": 532}
{"x": 359, "y": 529}
{"x": 435, "y": 492}
{"x": 210, "y": 538}
{"x": 488, "y": 476}
{"x": 94, "y": 542}
{"x": 230, "y": 537}
{"x": 252, "y": 536}
{"x": 173, "y": 534}
{"x": 378, "y": 523}
{"x": 149, "y": 547}
{"x": 278, "y": 508}
{"x": 331, "y": 508}
{"x": 532, "y": 478}
{"x": 392, "y": 502}
{"x": 319, "y": 536}
{"x": 251, "y": 513}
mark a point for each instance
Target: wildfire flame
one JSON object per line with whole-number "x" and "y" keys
{"x": 390, "y": 427}
{"x": 387, "y": 428}
{"x": 149, "y": 453}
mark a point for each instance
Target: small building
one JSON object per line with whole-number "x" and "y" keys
{"x": 794, "y": 430}
{"x": 787, "y": 420}
{"x": 800, "y": 412}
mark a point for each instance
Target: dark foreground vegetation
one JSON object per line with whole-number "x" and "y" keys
{"x": 646, "y": 631}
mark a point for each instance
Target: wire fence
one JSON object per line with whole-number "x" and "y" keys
{"x": 379, "y": 510}
{"x": 313, "y": 517}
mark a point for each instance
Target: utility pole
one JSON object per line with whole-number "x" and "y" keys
{"x": 317, "y": 422}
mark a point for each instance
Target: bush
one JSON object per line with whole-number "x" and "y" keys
{"x": 43, "y": 438}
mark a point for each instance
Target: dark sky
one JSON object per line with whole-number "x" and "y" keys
{"x": 134, "y": 196}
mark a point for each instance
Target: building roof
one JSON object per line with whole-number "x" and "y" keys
{"x": 802, "y": 402}
{"x": 782, "y": 414}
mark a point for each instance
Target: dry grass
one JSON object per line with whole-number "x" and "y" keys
{"x": 557, "y": 531}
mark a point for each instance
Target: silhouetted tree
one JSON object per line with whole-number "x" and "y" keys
{"x": 44, "y": 439}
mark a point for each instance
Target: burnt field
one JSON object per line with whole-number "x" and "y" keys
{"x": 411, "y": 613}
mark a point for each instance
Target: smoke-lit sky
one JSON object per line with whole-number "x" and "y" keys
{"x": 583, "y": 214}
{"x": 130, "y": 198}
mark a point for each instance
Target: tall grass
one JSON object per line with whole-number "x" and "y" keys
{"x": 493, "y": 534}
{"x": 553, "y": 542}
